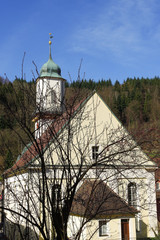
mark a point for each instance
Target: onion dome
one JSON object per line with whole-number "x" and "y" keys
{"x": 50, "y": 68}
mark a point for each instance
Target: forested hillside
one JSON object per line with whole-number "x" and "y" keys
{"x": 136, "y": 103}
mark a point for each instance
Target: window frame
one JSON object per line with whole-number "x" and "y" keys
{"x": 132, "y": 194}
{"x": 95, "y": 152}
{"x": 56, "y": 194}
{"x": 103, "y": 223}
{"x": 53, "y": 96}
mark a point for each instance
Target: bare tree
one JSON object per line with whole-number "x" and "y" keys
{"x": 80, "y": 165}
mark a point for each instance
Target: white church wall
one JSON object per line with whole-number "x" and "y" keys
{"x": 49, "y": 94}
{"x": 95, "y": 125}
{"x": 91, "y": 229}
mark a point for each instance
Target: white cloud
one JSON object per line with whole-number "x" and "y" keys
{"x": 121, "y": 27}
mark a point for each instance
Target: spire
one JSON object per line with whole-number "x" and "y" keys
{"x": 50, "y": 68}
{"x": 50, "y": 42}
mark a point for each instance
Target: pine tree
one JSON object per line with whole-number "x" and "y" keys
{"x": 8, "y": 159}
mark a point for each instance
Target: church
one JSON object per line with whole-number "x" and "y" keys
{"x": 82, "y": 176}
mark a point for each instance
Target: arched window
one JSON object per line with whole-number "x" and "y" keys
{"x": 53, "y": 96}
{"x": 133, "y": 200}
{"x": 132, "y": 194}
{"x": 51, "y": 99}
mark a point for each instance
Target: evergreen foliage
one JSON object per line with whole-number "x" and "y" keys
{"x": 8, "y": 160}
{"x": 135, "y": 101}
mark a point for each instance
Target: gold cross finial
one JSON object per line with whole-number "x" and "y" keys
{"x": 50, "y": 36}
{"x": 50, "y": 42}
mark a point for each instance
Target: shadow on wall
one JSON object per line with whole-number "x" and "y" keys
{"x": 141, "y": 235}
{"x": 19, "y": 232}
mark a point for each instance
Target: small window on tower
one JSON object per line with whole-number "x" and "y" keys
{"x": 95, "y": 151}
{"x": 53, "y": 96}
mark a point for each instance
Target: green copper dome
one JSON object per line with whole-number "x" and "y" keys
{"x": 50, "y": 69}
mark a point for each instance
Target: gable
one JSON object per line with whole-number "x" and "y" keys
{"x": 94, "y": 124}
{"x": 91, "y": 123}
{"x": 113, "y": 136}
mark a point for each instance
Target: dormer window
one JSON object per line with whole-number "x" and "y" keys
{"x": 95, "y": 152}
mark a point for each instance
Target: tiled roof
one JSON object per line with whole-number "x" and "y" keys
{"x": 37, "y": 147}
{"x": 94, "y": 199}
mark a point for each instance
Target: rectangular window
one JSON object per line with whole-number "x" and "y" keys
{"x": 56, "y": 195}
{"x": 103, "y": 228}
{"x": 95, "y": 151}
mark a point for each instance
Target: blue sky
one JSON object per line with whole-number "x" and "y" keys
{"x": 115, "y": 38}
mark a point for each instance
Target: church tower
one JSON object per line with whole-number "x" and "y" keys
{"x": 50, "y": 90}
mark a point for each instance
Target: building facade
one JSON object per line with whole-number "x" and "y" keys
{"x": 79, "y": 147}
